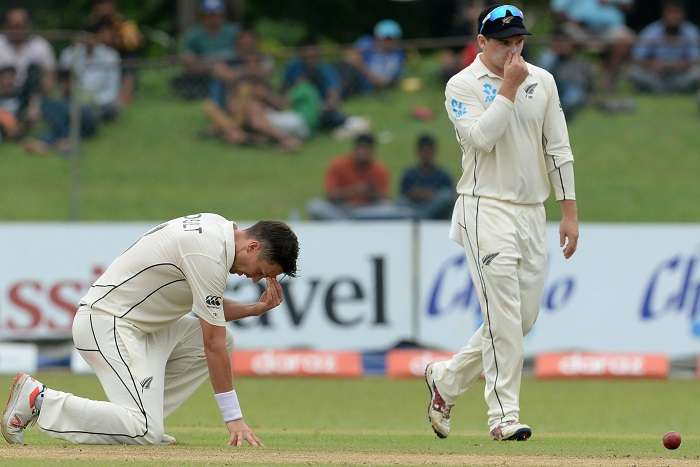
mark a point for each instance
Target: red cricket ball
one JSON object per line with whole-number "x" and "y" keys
{"x": 672, "y": 440}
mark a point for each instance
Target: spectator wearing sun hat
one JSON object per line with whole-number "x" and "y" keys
{"x": 374, "y": 62}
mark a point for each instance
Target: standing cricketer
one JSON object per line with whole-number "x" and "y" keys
{"x": 515, "y": 148}
{"x": 150, "y": 354}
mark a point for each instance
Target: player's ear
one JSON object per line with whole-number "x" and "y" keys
{"x": 254, "y": 246}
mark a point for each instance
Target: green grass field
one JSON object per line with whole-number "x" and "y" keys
{"x": 150, "y": 165}
{"x": 382, "y": 421}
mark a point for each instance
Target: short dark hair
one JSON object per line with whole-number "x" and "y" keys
{"x": 679, "y": 4}
{"x": 100, "y": 24}
{"x": 280, "y": 244}
{"x": 364, "y": 139}
{"x": 426, "y": 140}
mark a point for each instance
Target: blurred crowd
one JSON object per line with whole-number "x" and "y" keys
{"x": 224, "y": 64}
{"x": 87, "y": 82}
{"x": 593, "y": 54}
{"x": 250, "y": 99}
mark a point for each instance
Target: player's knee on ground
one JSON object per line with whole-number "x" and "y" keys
{"x": 148, "y": 431}
{"x": 155, "y": 432}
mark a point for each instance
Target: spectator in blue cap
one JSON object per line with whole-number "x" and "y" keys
{"x": 374, "y": 62}
{"x": 207, "y": 43}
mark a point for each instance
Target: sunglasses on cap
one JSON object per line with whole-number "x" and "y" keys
{"x": 501, "y": 12}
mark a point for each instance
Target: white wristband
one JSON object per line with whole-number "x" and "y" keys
{"x": 229, "y": 406}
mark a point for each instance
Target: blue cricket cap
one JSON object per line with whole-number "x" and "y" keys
{"x": 213, "y": 6}
{"x": 387, "y": 29}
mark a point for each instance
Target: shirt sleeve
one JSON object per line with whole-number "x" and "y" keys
{"x": 66, "y": 58}
{"x": 381, "y": 181}
{"x": 333, "y": 177}
{"x": 290, "y": 75}
{"x": 692, "y": 41}
{"x": 331, "y": 79}
{"x": 446, "y": 180}
{"x": 406, "y": 182}
{"x": 190, "y": 44}
{"x": 642, "y": 49}
{"x": 112, "y": 78}
{"x": 557, "y": 151}
{"x": 48, "y": 59}
{"x": 207, "y": 281}
{"x": 400, "y": 59}
{"x": 476, "y": 125}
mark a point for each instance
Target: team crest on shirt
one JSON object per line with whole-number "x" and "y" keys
{"x": 489, "y": 93}
{"x": 146, "y": 382}
{"x": 530, "y": 90}
{"x": 459, "y": 109}
{"x": 213, "y": 301}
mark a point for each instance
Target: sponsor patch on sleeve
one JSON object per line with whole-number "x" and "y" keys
{"x": 459, "y": 109}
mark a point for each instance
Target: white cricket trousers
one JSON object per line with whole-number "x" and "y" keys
{"x": 146, "y": 376}
{"x": 505, "y": 246}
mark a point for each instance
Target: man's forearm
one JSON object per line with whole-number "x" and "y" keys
{"x": 234, "y": 311}
{"x": 568, "y": 209}
{"x": 508, "y": 91}
{"x": 219, "y": 368}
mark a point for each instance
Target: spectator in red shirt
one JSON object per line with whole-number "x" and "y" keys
{"x": 357, "y": 187}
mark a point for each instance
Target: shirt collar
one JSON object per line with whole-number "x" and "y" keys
{"x": 480, "y": 70}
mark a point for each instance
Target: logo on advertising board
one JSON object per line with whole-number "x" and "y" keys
{"x": 38, "y": 306}
{"x": 297, "y": 363}
{"x": 402, "y": 363}
{"x": 601, "y": 365}
{"x": 674, "y": 288}
{"x": 330, "y": 294}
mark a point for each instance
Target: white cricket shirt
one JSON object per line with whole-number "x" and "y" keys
{"x": 510, "y": 151}
{"x": 179, "y": 266}
{"x": 35, "y": 49}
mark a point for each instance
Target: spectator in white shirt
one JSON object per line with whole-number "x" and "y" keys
{"x": 32, "y": 58}
{"x": 20, "y": 48}
{"x": 98, "y": 68}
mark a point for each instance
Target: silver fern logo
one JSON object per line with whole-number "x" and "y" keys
{"x": 530, "y": 90}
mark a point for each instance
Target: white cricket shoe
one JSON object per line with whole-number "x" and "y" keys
{"x": 21, "y": 409}
{"x": 438, "y": 409}
{"x": 511, "y": 431}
